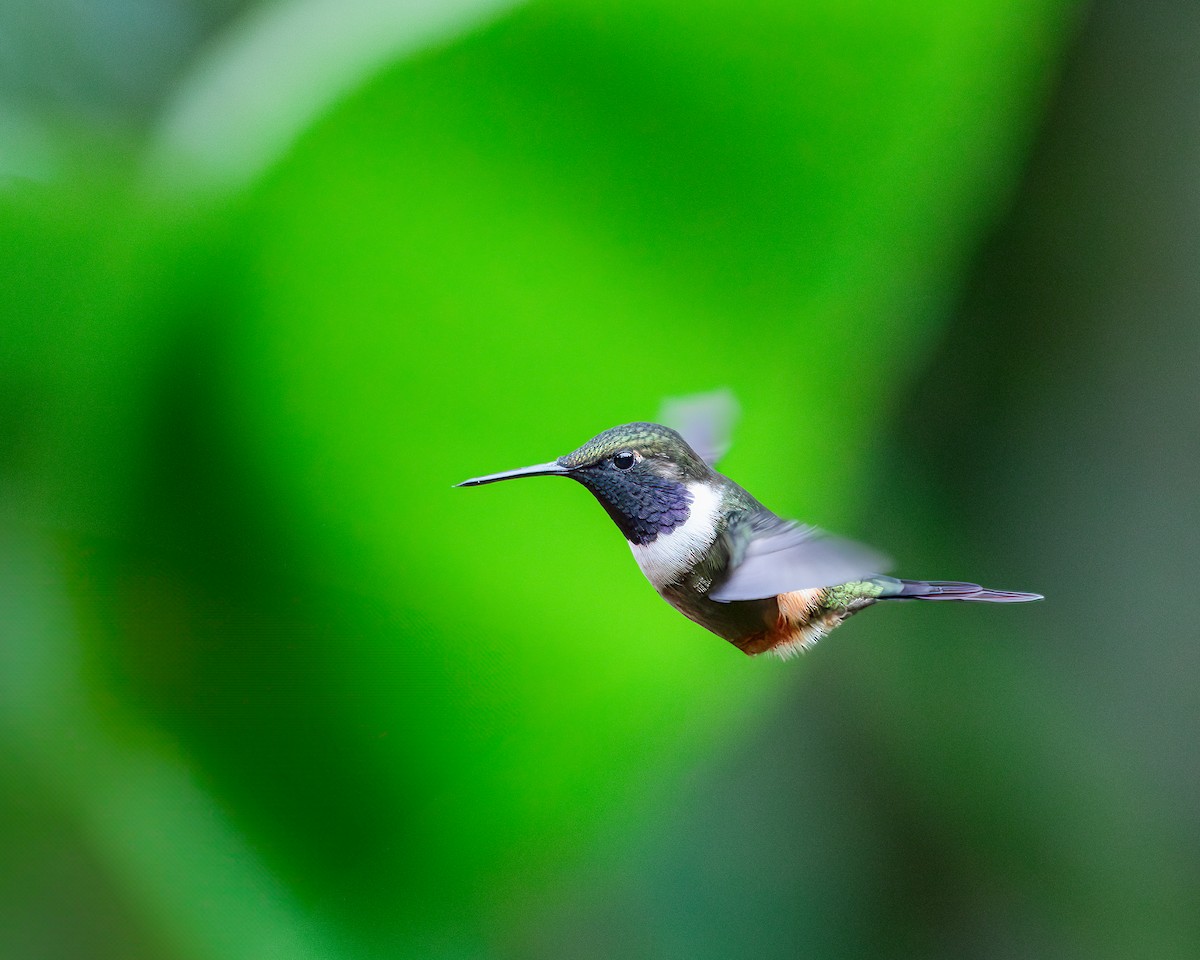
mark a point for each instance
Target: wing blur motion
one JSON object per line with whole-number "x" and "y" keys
{"x": 789, "y": 556}
{"x": 704, "y": 420}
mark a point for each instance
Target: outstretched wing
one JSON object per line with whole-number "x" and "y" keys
{"x": 704, "y": 420}
{"x": 770, "y": 556}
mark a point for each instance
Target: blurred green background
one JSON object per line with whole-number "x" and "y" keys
{"x": 275, "y": 276}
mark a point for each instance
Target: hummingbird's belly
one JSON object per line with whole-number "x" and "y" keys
{"x": 743, "y": 622}
{"x": 784, "y": 625}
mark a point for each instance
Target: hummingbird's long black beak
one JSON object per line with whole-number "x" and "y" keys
{"x": 538, "y": 470}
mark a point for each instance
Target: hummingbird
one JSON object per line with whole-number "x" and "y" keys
{"x": 718, "y": 556}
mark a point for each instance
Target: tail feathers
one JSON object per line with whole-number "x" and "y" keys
{"x": 953, "y": 590}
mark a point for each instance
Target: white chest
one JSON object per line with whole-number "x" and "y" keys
{"x": 672, "y": 554}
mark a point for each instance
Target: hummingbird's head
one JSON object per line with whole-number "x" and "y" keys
{"x": 640, "y": 473}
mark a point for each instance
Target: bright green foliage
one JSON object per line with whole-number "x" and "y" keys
{"x": 310, "y": 676}
{"x": 501, "y": 248}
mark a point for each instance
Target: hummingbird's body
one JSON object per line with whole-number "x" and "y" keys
{"x": 683, "y": 565}
{"x": 720, "y": 557}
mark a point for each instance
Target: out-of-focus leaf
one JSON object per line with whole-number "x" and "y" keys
{"x": 166, "y": 845}
{"x": 281, "y": 66}
{"x": 496, "y": 251}
{"x": 414, "y": 704}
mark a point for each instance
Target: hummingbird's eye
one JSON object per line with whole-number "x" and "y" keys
{"x": 623, "y": 460}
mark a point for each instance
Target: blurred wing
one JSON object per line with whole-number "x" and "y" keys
{"x": 704, "y": 420}
{"x": 782, "y": 556}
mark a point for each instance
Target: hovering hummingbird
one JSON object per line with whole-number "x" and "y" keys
{"x": 720, "y": 557}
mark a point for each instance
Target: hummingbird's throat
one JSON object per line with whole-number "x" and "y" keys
{"x": 643, "y": 509}
{"x": 672, "y": 555}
